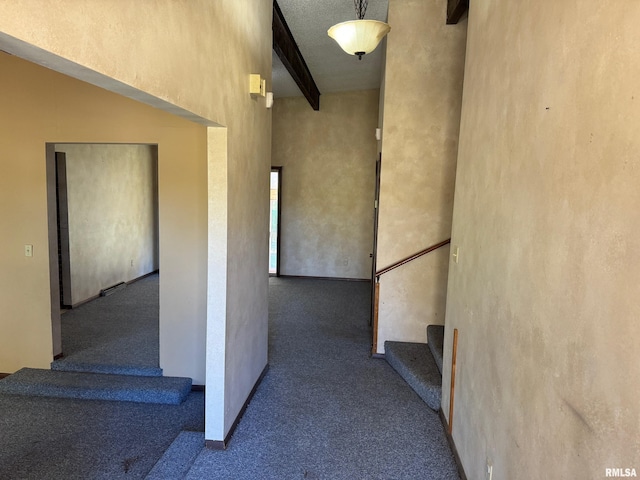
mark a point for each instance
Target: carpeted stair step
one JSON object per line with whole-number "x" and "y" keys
{"x": 92, "y": 386}
{"x": 435, "y": 340}
{"x": 178, "y": 458}
{"x": 64, "y": 365}
{"x": 415, "y": 364}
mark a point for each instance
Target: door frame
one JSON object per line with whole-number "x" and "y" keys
{"x": 374, "y": 254}
{"x": 64, "y": 261}
{"x": 277, "y": 170}
{"x": 54, "y": 266}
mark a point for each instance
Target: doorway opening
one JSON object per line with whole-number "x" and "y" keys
{"x": 62, "y": 215}
{"x": 375, "y": 286}
{"x": 103, "y": 237}
{"x": 275, "y": 202}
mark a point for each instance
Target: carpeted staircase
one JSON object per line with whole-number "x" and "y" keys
{"x": 420, "y": 364}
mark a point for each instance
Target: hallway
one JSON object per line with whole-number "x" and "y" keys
{"x": 324, "y": 410}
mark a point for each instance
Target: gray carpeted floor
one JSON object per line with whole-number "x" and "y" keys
{"x": 114, "y": 334}
{"x": 57, "y": 438}
{"x": 61, "y": 439}
{"x": 325, "y": 409}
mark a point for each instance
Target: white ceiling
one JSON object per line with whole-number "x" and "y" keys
{"x": 331, "y": 68}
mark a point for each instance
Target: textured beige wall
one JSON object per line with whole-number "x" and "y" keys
{"x": 422, "y": 98}
{"x": 546, "y": 217}
{"x": 41, "y": 106}
{"x": 112, "y": 205}
{"x": 328, "y": 179}
{"x": 192, "y": 57}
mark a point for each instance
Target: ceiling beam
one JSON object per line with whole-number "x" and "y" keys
{"x": 455, "y": 10}
{"x": 287, "y": 50}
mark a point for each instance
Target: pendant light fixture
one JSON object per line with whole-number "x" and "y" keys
{"x": 359, "y": 37}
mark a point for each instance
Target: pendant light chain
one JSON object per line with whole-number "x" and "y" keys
{"x": 361, "y": 8}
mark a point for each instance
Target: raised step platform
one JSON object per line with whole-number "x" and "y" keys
{"x": 178, "y": 458}
{"x": 416, "y": 365}
{"x": 435, "y": 340}
{"x": 69, "y": 365}
{"x": 95, "y": 386}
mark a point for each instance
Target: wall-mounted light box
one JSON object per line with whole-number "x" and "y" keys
{"x": 257, "y": 85}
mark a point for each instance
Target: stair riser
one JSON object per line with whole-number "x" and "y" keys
{"x": 92, "y": 386}
{"x": 61, "y": 366}
{"x": 415, "y": 364}
{"x": 136, "y": 397}
{"x": 435, "y": 340}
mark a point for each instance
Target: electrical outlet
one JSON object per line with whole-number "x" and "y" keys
{"x": 489, "y": 469}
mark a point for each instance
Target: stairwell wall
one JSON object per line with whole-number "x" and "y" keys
{"x": 422, "y": 99}
{"x": 546, "y": 218}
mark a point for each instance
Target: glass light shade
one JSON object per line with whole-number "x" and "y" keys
{"x": 359, "y": 37}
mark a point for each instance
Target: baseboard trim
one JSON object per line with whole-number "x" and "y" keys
{"x": 90, "y": 299}
{"x": 4, "y": 375}
{"x": 309, "y": 277}
{"x": 222, "y": 444}
{"x": 452, "y": 445}
{"x": 86, "y": 300}
{"x": 105, "y": 292}
{"x": 378, "y": 356}
{"x": 143, "y": 276}
{"x": 215, "y": 444}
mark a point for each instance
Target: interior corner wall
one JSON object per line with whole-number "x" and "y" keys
{"x": 328, "y": 160}
{"x": 41, "y": 106}
{"x": 546, "y": 218}
{"x": 422, "y": 100}
{"x": 383, "y": 45}
{"x": 112, "y": 210}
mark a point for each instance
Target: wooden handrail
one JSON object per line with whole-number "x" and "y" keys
{"x": 411, "y": 258}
